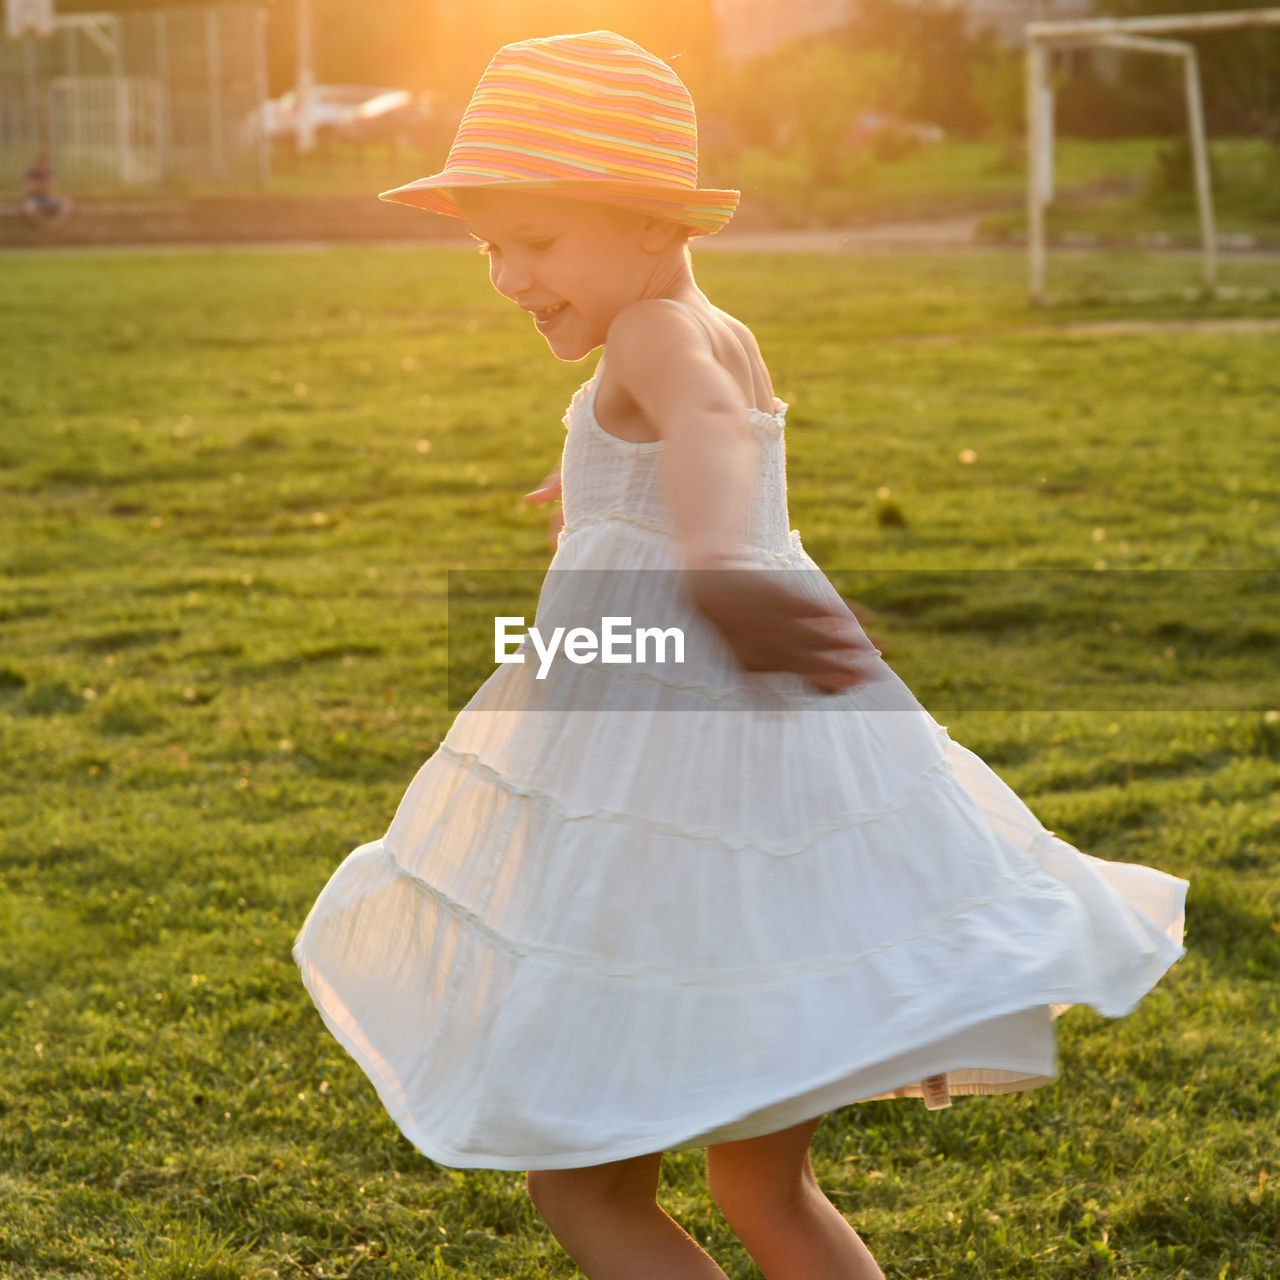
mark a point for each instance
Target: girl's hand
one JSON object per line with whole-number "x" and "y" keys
{"x": 770, "y": 627}
{"x": 548, "y": 491}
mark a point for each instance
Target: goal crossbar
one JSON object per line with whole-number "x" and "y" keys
{"x": 1154, "y": 24}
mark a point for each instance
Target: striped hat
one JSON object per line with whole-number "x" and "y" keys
{"x": 591, "y": 116}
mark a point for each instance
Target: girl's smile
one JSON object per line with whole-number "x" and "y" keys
{"x": 546, "y": 317}
{"x": 571, "y": 264}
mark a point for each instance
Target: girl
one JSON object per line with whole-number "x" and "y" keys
{"x": 596, "y": 932}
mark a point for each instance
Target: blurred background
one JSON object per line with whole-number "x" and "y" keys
{"x": 169, "y": 119}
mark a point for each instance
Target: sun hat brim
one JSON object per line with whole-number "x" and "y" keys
{"x": 703, "y": 210}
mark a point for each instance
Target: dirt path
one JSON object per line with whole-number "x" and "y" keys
{"x": 1246, "y": 325}
{"x": 953, "y": 233}
{"x": 1211, "y": 324}
{"x": 937, "y": 233}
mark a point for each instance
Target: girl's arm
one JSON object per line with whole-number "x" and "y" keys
{"x": 658, "y": 354}
{"x": 548, "y": 491}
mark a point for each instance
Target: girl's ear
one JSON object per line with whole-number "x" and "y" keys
{"x": 657, "y": 234}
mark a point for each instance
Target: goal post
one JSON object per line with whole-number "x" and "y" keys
{"x": 1139, "y": 35}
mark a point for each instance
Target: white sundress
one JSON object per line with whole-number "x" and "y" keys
{"x": 596, "y": 929}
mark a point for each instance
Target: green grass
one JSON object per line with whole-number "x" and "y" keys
{"x": 1154, "y": 197}
{"x": 955, "y": 176}
{"x": 222, "y": 656}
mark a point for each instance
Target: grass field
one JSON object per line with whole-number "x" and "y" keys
{"x": 231, "y": 486}
{"x": 1139, "y": 191}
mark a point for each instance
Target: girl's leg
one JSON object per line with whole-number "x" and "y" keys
{"x": 766, "y": 1189}
{"x": 608, "y": 1221}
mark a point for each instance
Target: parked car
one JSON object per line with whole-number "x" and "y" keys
{"x": 878, "y": 124}
{"x": 333, "y": 107}
{"x": 397, "y": 116}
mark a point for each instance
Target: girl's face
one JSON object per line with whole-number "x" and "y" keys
{"x": 571, "y": 264}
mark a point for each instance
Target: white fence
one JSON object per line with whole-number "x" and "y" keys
{"x": 105, "y": 130}
{"x": 138, "y": 100}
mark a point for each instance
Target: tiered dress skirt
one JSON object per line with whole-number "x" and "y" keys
{"x": 617, "y": 912}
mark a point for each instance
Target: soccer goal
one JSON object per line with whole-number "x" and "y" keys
{"x": 1141, "y": 35}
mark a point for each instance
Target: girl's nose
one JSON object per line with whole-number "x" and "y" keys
{"x": 512, "y": 280}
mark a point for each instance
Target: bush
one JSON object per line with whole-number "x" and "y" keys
{"x": 1172, "y": 173}
{"x": 892, "y": 143}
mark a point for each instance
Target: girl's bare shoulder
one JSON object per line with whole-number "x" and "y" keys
{"x": 750, "y": 347}
{"x": 739, "y": 329}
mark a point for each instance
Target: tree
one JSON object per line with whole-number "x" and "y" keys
{"x": 999, "y": 85}
{"x": 1240, "y": 70}
{"x": 934, "y": 42}
{"x": 820, "y": 91}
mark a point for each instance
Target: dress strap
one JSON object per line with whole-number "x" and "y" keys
{"x": 701, "y": 323}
